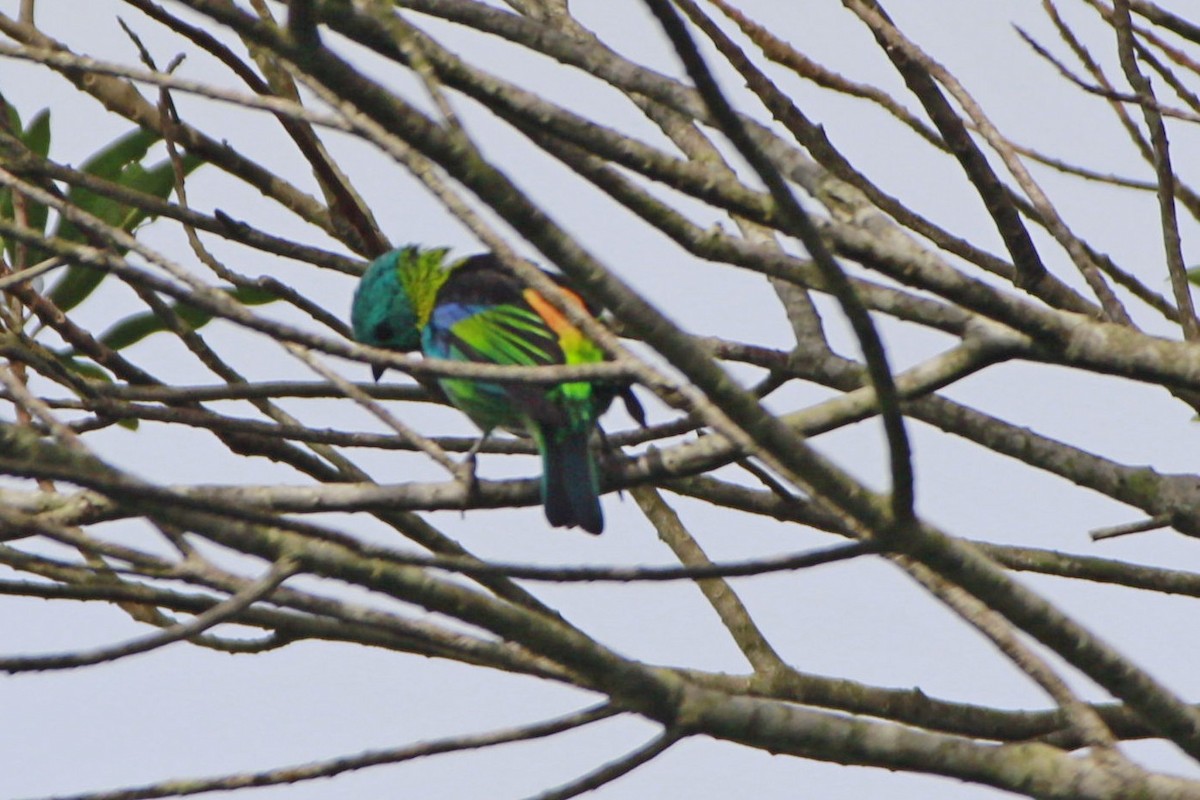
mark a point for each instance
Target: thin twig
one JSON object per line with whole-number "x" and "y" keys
{"x": 219, "y": 613}
{"x": 729, "y": 607}
{"x": 337, "y": 766}
{"x": 1112, "y": 532}
{"x": 30, "y": 273}
{"x": 1083, "y": 720}
{"x": 903, "y": 489}
{"x": 1172, "y": 243}
{"x": 421, "y": 443}
{"x": 612, "y": 770}
{"x": 917, "y": 65}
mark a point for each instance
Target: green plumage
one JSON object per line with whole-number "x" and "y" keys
{"x": 476, "y": 310}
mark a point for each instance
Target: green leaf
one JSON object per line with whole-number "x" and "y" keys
{"x": 123, "y": 151}
{"x": 84, "y": 369}
{"x": 6, "y": 205}
{"x": 109, "y": 164}
{"x": 37, "y": 136}
{"x": 159, "y": 181}
{"x": 90, "y": 371}
{"x": 12, "y": 121}
{"x": 12, "y": 116}
{"x": 74, "y": 286}
{"x": 78, "y": 282}
{"x": 137, "y": 327}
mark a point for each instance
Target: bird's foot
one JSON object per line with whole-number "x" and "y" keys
{"x": 467, "y": 474}
{"x": 611, "y": 461}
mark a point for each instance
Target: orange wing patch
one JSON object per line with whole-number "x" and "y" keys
{"x": 555, "y": 319}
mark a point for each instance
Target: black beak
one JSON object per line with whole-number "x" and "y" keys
{"x": 378, "y": 371}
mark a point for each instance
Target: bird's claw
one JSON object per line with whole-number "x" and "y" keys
{"x": 467, "y": 474}
{"x": 611, "y": 457}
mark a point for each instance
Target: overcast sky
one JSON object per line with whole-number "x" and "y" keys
{"x": 182, "y": 711}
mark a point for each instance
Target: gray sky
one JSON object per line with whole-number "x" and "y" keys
{"x": 182, "y": 711}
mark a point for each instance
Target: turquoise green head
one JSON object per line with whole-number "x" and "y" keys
{"x": 395, "y": 297}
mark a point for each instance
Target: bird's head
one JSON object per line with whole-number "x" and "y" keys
{"x": 395, "y": 297}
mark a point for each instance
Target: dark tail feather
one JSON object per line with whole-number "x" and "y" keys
{"x": 569, "y": 492}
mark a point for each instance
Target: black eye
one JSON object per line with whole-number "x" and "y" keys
{"x": 383, "y": 332}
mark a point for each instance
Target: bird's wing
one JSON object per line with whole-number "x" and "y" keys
{"x": 505, "y": 334}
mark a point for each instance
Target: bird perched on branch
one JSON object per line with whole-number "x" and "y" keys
{"x": 476, "y": 309}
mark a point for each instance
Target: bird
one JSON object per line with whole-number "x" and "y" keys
{"x": 476, "y": 309}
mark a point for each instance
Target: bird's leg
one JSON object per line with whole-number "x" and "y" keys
{"x": 609, "y": 455}
{"x": 466, "y": 471}
{"x": 605, "y": 447}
